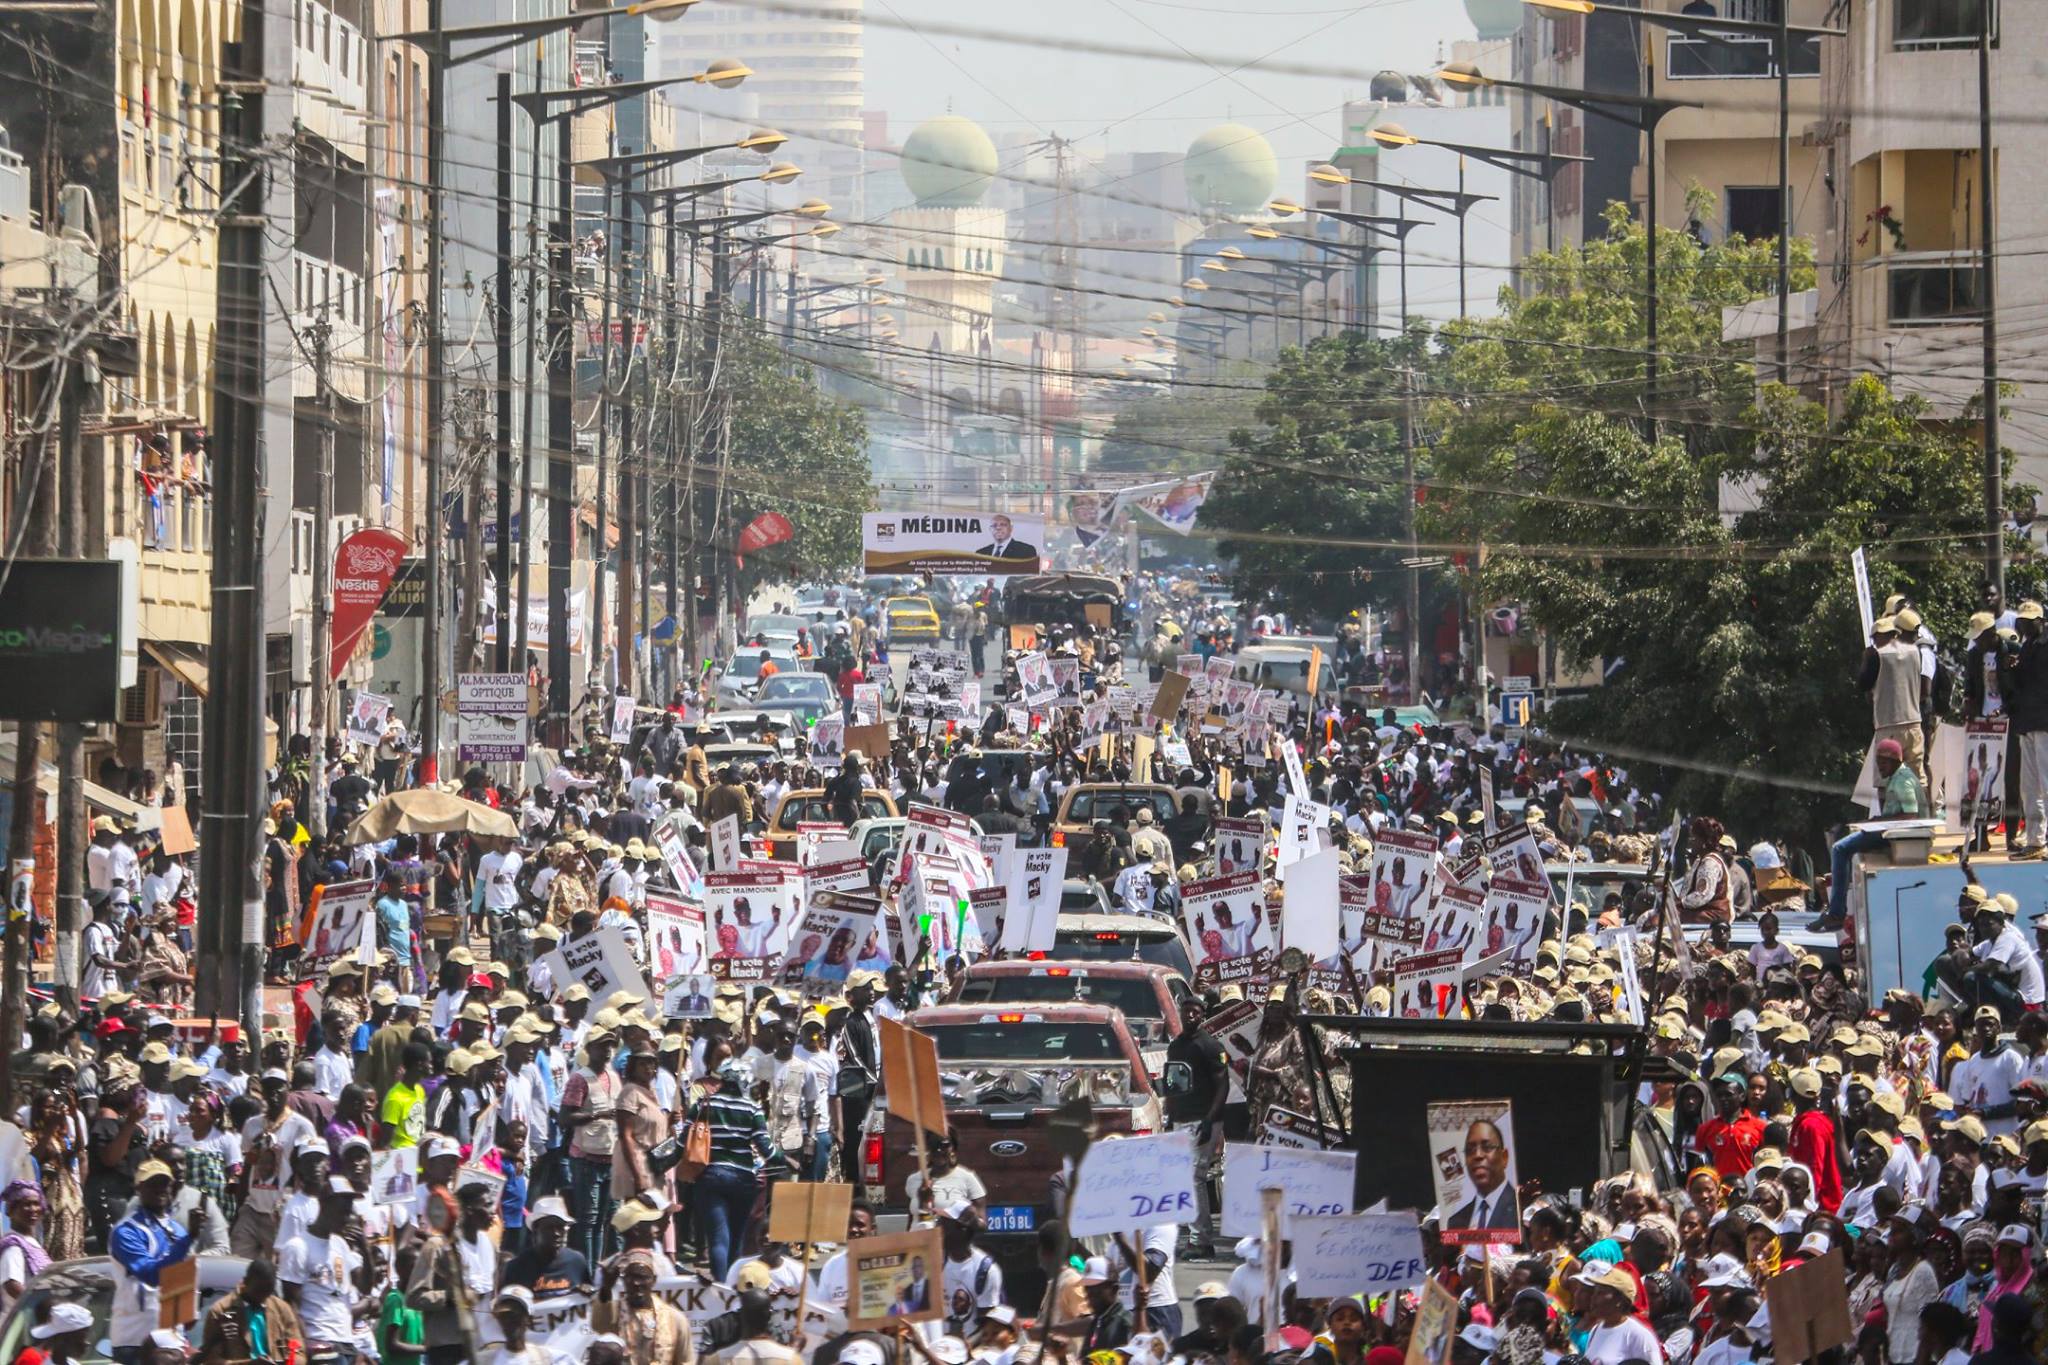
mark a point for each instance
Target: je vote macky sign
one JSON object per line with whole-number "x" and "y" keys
{"x": 976, "y": 543}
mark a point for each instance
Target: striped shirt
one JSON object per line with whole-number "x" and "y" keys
{"x": 739, "y": 1132}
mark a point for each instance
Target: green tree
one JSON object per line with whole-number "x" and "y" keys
{"x": 1731, "y": 640}
{"x": 799, "y": 452}
{"x": 1184, "y": 432}
{"x": 1309, "y": 503}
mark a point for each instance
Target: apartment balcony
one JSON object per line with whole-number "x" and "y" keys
{"x": 1736, "y": 57}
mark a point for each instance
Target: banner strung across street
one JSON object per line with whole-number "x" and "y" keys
{"x": 976, "y": 543}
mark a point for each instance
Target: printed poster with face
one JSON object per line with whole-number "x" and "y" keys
{"x": 675, "y": 938}
{"x": 1984, "y": 770}
{"x": 1034, "y": 680}
{"x": 975, "y": 543}
{"x": 1514, "y": 922}
{"x": 936, "y": 907}
{"x": 1226, "y": 924}
{"x": 1237, "y": 1026}
{"x": 675, "y": 856}
{"x": 1426, "y": 984}
{"x": 827, "y": 742}
{"x": 689, "y": 997}
{"x": 622, "y": 720}
{"x": 1472, "y": 1160}
{"x": 828, "y": 944}
{"x": 1454, "y": 922}
{"x": 748, "y": 922}
{"x": 1402, "y": 866}
{"x": 368, "y": 713}
{"x": 1094, "y": 724}
{"x": 813, "y": 835}
{"x": 933, "y": 829}
{"x": 1513, "y": 853}
{"x": 867, "y": 703}
{"x": 1066, "y": 678}
{"x": 1239, "y": 844}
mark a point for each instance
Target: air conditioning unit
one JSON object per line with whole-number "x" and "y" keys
{"x": 143, "y": 704}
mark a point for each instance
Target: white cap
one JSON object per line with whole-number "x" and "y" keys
{"x": 1759, "y": 1325}
{"x": 863, "y": 1351}
{"x": 2017, "y": 1233}
{"x": 1096, "y": 1271}
{"x": 950, "y": 1350}
{"x": 1001, "y": 1313}
{"x": 1725, "y": 1272}
{"x": 64, "y": 1317}
{"x": 440, "y": 1144}
{"x": 1815, "y": 1244}
{"x": 1479, "y": 1337}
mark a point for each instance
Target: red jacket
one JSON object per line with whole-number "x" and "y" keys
{"x": 1812, "y": 1145}
{"x": 1732, "y": 1143}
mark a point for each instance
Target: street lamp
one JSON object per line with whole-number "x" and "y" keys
{"x": 1396, "y": 228}
{"x": 1641, "y": 112}
{"x": 1541, "y": 165}
{"x": 1732, "y": 33}
{"x": 1457, "y": 203}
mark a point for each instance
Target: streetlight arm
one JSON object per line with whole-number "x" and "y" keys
{"x": 515, "y": 31}
{"x": 1710, "y": 26}
{"x": 1540, "y": 165}
{"x": 1641, "y": 112}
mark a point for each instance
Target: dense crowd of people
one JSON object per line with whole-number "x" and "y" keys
{"x": 443, "y": 1147}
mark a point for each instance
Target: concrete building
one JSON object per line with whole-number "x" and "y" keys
{"x": 1901, "y": 285}
{"x": 809, "y": 85}
{"x": 1728, "y": 147}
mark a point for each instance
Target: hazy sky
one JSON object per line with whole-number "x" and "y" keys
{"x": 1126, "y": 104}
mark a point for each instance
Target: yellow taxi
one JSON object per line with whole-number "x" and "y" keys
{"x": 910, "y": 618}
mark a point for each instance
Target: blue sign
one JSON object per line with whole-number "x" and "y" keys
{"x": 1517, "y": 708}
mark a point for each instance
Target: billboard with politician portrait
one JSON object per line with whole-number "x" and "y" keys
{"x": 976, "y": 543}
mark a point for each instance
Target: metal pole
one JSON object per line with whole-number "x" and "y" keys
{"x": 1650, "y": 259}
{"x": 600, "y": 552}
{"x": 323, "y": 576}
{"x": 1414, "y": 603}
{"x": 523, "y": 641}
{"x": 561, "y": 441}
{"x": 1783, "y": 49}
{"x": 28, "y": 752}
{"x": 629, "y": 510}
{"x": 1463, "y": 208}
{"x": 229, "y": 964}
{"x": 501, "y": 332}
{"x": 1549, "y": 187}
{"x": 1994, "y": 475}
{"x": 436, "y": 523}
{"x": 77, "y": 535}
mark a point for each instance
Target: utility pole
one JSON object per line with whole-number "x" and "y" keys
{"x": 561, "y": 444}
{"x": 39, "y": 513}
{"x": 77, "y": 537}
{"x": 1783, "y": 49}
{"x": 437, "y": 411}
{"x": 629, "y": 510}
{"x": 1412, "y": 635}
{"x": 599, "y": 551}
{"x": 1994, "y": 465}
{"x": 229, "y": 963}
{"x": 502, "y": 335}
{"x": 323, "y": 575}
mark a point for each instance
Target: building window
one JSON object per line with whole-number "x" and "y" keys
{"x": 1939, "y": 23}
{"x": 1753, "y": 212}
{"x": 1941, "y": 290}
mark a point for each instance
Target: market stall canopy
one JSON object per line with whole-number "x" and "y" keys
{"x": 429, "y": 812}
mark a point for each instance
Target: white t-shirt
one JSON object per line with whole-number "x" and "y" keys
{"x": 100, "y": 941}
{"x": 266, "y": 1194}
{"x": 1631, "y": 1339}
{"x": 322, "y": 1267}
{"x": 973, "y": 1284}
{"x": 2011, "y": 949}
{"x": 1159, "y": 1289}
{"x": 499, "y": 872}
{"x": 332, "y": 1072}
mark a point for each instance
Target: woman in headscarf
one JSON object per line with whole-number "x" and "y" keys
{"x": 22, "y": 1254}
{"x": 1704, "y": 896}
{"x": 2013, "y": 1261}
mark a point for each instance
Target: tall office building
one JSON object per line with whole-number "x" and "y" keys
{"x": 807, "y": 83}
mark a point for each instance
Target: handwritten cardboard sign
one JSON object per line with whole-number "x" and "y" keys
{"x": 870, "y": 740}
{"x": 1134, "y": 1183}
{"x": 808, "y": 1213}
{"x": 1316, "y": 1184}
{"x": 1337, "y": 1254}
{"x": 1809, "y": 1307}
{"x": 910, "y": 1076}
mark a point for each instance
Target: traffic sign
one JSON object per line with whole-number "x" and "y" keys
{"x": 1516, "y": 709}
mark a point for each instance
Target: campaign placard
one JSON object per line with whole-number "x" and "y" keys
{"x": 368, "y": 714}
{"x": 1472, "y": 1161}
{"x": 748, "y": 929}
{"x": 602, "y": 960}
{"x": 675, "y": 937}
{"x": 1314, "y": 1182}
{"x": 1032, "y": 924}
{"x": 1514, "y": 853}
{"x": 1239, "y": 844}
{"x": 1984, "y": 770}
{"x": 1514, "y": 921}
{"x": 827, "y": 945}
{"x": 1128, "y": 1184}
{"x": 1338, "y": 1254}
{"x": 1225, "y": 918}
{"x": 674, "y": 848}
{"x": 1034, "y": 680}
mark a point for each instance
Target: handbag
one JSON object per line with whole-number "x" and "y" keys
{"x": 687, "y": 1151}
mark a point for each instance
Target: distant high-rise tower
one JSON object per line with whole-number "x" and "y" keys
{"x": 806, "y": 83}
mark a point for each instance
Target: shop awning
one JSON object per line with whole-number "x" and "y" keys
{"x": 179, "y": 662}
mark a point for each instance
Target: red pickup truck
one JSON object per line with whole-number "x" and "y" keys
{"x": 1005, "y": 1070}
